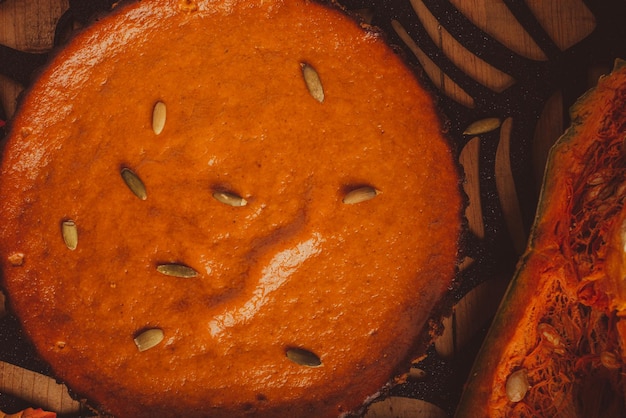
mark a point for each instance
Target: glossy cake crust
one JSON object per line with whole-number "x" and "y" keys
{"x": 245, "y": 187}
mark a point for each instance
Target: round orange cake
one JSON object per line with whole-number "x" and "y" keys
{"x": 213, "y": 208}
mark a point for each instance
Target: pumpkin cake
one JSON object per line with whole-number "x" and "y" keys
{"x": 219, "y": 208}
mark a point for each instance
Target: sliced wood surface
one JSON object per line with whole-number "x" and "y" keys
{"x": 39, "y": 390}
{"x": 567, "y": 22}
{"x": 27, "y": 26}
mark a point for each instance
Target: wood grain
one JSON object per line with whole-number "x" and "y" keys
{"x": 27, "y": 26}
{"x": 37, "y": 389}
{"x": 398, "y": 407}
{"x": 567, "y": 22}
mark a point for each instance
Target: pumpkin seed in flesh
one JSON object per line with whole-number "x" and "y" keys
{"x": 303, "y": 357}
{"x": 159, "y": 115}
{"x": 359, "y": 195}
{"x": 230, "y": 199}
{"x": 149, "y": 339}
{"x": 610, "y": 360}
{"x": 177, "y": 270}
{"x": 313, "y": 82}
{"x": 549, "y": 334}
{"x": 134, "y": 183}
{"x": 70, "y": 234}
{"x": 517, "y": 385}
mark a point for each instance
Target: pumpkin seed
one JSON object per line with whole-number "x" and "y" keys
{"x": 177, "y": 270}
{"x": 149, "y": 339}
{"x": 549, "y": 334}
{"x": 621, "y": 190}
{"x": 359, "y": 195}
{"x": 598, "y": 178}
{"x": 159, "y": 115}
{"x": 482, "y": 126}
{"x": 592, "y": 194}
{"x": 70, "y": 234}
{"x": 517, "y": 385}
{"x": 303, "y": 357}
{"x": 313, "y": 82}
{"x": 609, "y": 360}
{"x": 230, "y": 199}
{"x": 417, "y": 374}
{"x": 606, "y": 192}
{"x": 134, "y": 183}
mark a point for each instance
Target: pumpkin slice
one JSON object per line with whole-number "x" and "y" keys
{"x": 556, "y": 347}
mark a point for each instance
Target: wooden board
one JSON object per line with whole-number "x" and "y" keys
{"x": 29, "y": 26}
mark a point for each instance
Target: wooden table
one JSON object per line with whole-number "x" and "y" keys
{"x": 29, "y": 26}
